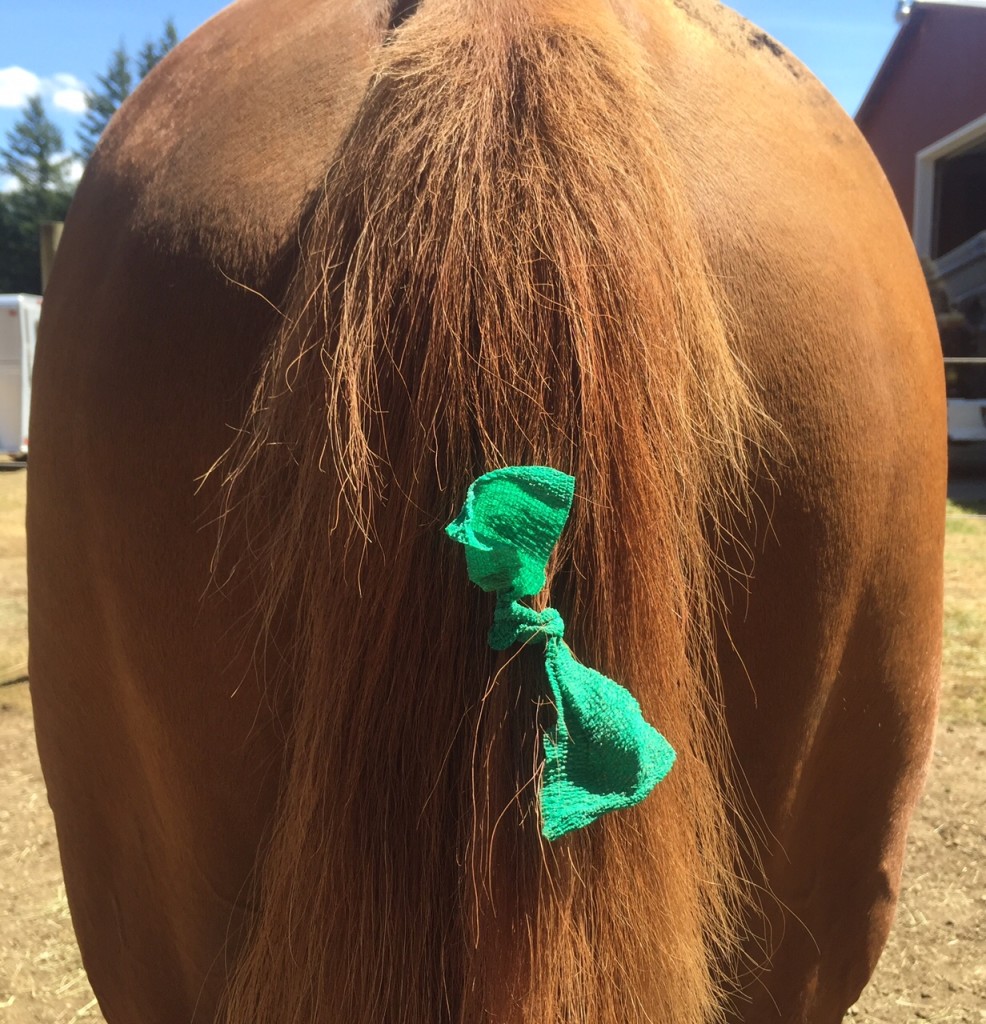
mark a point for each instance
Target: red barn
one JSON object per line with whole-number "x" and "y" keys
{"x": 925, "y": 117}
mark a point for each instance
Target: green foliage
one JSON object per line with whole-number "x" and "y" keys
{"x": 118, "y": 82}
{"x": 101, "y": 103}
{"x": 33, "y": 158}
{"x": 152, "y": 51}
{"x": 33, "y": 155}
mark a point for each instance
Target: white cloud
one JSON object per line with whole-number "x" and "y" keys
{"x": 71, "y": 100}
{"x": 8, "y": 184}
{"x": 17, "y": 86}
{"x": 69, "y": 93}
{"x": 64, "y": 91}
{"x": 67, "y": 81}
{"x": 73, "y": 172}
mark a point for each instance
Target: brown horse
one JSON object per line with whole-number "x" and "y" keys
{"x": 348, "y": 256}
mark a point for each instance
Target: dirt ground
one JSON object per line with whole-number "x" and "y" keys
{"x": 934, "y": 968}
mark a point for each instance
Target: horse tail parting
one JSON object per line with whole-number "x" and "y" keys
{"x": 500, "y": 269}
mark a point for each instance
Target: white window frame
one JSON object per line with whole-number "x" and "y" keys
{"x": 966, "y": 137}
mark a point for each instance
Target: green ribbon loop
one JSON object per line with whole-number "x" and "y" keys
{"x": 601, "y": 755}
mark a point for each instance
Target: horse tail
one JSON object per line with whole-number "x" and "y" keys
{"x": 499, "y": 269}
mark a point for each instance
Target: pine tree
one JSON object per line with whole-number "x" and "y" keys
{"x": 33, "y": 158}
{"x": 117, "y": 84}
{"x": 152, "y": 51}
{"x": 101, "y": 103}
{"x": 20, "y": 265}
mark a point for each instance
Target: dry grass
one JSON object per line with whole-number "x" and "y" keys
{"x": 41, "y": 977}
{"x": 932, "y": 969}
{"x": 13, "y": 574}
{"x": 964, "y": 674}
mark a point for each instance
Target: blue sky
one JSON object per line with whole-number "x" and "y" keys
{"x": 58, "y": 46}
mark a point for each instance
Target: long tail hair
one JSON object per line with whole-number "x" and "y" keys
{"x": 499, "y": 270}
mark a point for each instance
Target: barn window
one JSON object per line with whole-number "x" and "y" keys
{"x": 960, "y": 199}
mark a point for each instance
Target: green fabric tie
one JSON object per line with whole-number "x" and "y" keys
{"x": 601, "y": 755}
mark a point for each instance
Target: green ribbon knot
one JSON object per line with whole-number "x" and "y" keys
{"x": 601, "y": 755}
{"x": 516, "y": 623}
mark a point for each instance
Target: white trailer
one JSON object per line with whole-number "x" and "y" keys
{"x": 966, "y": 416}
{"x": 19, "y": 315}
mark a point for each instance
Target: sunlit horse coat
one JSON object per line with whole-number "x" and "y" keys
{"x": 332, "y": 261}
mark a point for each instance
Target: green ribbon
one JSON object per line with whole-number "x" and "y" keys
{"x": 601, "y": 755}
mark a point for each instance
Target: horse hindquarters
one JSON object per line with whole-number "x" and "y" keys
{"x": 500, "y": 271}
